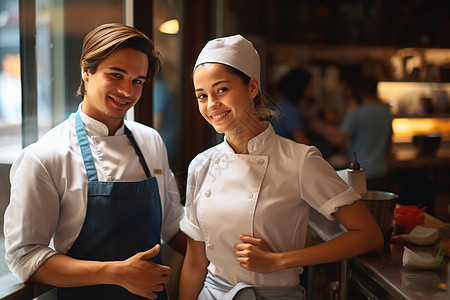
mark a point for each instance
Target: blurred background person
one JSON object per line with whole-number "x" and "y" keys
{"x": 292, "y": 88}
{"x": 297, "y": 109}
{"x": 365, "y": 130}
{"x": 165, "y": 114}
{"x": 166, "y": 92}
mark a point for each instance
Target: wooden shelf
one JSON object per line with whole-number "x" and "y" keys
{"x": 399, "y": 23}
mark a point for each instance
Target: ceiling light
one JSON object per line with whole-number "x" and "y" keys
{"x": 169, "y": 27}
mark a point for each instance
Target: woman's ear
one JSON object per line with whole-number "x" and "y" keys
{"x": 254, "y": 87}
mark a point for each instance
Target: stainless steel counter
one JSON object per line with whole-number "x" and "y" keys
{"x": 382, "y": 272}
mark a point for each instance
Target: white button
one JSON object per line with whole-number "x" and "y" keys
{"x": 250, "y": 195}
{"x": 217, "y": 160}
{"x": 260, "y": 161}
{"x": 208, "y": 193}
{"x": 95, "y": 141}
{"x": 210, "y": 247}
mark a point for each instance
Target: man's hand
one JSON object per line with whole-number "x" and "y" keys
{"x": 142, "y": 277}
{"x": 254, "y": 255}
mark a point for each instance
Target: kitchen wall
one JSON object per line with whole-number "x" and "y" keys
{"x": 392, "y": 41}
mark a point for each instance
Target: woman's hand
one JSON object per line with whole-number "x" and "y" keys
{"x": 254, "y": 255}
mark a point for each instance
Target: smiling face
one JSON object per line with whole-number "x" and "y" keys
{"x": 223, "y": 98}
{"x": 115, "y": 87}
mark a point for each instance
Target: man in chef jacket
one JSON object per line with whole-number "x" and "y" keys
{"x": 98, "y": 187}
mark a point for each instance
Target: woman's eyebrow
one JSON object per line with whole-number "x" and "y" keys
{"x": 214, "y": 85}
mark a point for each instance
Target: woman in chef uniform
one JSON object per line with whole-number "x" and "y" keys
{"x": 249, "y": 198}
{"x": 99, "y": 187}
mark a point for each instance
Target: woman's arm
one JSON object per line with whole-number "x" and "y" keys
{"x": 136, "y": 274}
{"x": 194, "y": 271}
{"x": 179, "y": 242}
{"x": 363, "y": 235}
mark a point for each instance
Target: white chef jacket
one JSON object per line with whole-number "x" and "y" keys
{"x": 49, "y": 187}
{"x": 267, "y": 194}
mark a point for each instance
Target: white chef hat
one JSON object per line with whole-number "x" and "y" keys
{"x": 234, "y": 51}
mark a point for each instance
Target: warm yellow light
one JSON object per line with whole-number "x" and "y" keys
{"x": 170, "y": 27}
{"x": 404, "y": 128}
{"x": 412, "y": 126}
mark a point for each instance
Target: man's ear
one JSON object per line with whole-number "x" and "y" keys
{"x": 84, "y": 74}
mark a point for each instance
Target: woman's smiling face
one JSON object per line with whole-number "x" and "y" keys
{"x": 223, "y": 98}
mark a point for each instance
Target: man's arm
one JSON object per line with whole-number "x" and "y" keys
{"x": 136, "y": 274}
{"x": 332, "y": 133}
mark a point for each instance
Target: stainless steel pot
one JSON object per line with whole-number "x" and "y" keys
{"x": 381, "y": 205}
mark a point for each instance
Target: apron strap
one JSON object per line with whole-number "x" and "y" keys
{"x": 88, "y": 160}
{"x": 138, "y": 150}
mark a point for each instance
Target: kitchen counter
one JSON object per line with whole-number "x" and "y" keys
{"x": 404, "y": 156}
{"x": 380, "y": 274}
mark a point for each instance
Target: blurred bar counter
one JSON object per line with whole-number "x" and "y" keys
{"x": 405, "y": 155}
{"x": 375, "y": 275}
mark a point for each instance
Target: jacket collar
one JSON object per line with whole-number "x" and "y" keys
{"x": 257, "y": 144}
{"x": 94, "y": 127}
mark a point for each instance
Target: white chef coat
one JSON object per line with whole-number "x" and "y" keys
{"x": 49, "y": 187}
{"x": 267, "y": 194}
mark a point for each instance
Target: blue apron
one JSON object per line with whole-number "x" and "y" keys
{"x": 122, "y": 219}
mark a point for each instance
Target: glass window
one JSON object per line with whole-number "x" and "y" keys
{"x": 60, "y": 28}
{"x": 167, "y": 94}
{"x": 10, "y": 87}
{"x": 10, "y": 103}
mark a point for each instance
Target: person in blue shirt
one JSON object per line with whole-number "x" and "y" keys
{"x": 293, "y": 87}
{"x": 369, "y": 129}
{"x": 165, "y": 114}
{"x": 366, "y": 130}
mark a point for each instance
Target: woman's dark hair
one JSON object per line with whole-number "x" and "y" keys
{"x": 292, "y": 85}
{"x": 106, "y": 38}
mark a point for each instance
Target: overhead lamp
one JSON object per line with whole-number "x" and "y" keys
{"x": 170, "y": 27}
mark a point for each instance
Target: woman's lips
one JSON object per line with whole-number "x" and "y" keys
{"x": 220, "y": 116}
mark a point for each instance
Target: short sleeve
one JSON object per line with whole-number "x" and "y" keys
{"x": 321, "y": 186}
{"x": 173, "y": 210}
{"x": 189, "y": 224}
